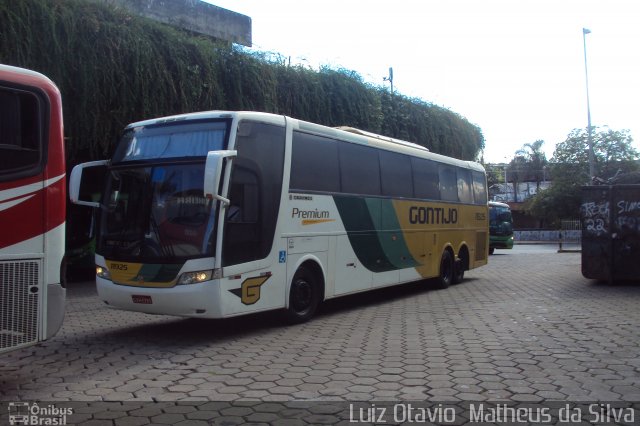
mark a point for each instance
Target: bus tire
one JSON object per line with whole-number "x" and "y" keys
{"x": 446, "y": 270}
{"x": 461, "y": 264}
{"x": 458, "y": 273}
{"x": 491, "y": 250}
{"x": 304, "y": 296}
{"x": 64, "y": 272}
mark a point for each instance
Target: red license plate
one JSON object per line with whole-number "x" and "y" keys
{"x": 144, "y": 300}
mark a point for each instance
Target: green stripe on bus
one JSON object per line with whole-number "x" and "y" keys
{"x": 362, "y": 233}
{"x": 391, "y": 236}
{"x": 374, "y": 233}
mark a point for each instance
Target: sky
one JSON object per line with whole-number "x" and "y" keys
{"x": 515, "y": 68}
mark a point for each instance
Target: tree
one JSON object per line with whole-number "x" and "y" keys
{"x": 527, "y": 164}
{"x": 495, "y": 173}
{"x": 560, "y": 201}
{"x": 517, "y": 172}
{"x": 613, "y": 152}
{"x": 535, "y": 161}
{"x": 612, "y": 149}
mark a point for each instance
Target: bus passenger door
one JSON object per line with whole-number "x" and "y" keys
{"x": 251, "y": 261}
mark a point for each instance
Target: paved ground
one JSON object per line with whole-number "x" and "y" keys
{"x": 526, "y": 328}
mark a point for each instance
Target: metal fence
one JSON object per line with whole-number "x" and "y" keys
{"x": 570, "y": 234}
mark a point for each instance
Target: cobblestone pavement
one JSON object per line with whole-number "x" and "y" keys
{"x": 526, "y": 328}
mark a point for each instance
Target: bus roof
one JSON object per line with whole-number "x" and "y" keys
{"x": 345, "y": 133}
{"x": 498, "y": 204}
{"x": 259, "y": 116}
{"x": 27, "y": 78}
{"x": 21, "y": 71}
{"x": 381, "y": 137}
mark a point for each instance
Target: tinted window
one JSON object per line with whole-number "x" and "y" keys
{"x": 395, "y": 170}
{"x": 255, "y": 191}
{"x": 479, "y": 188}
{"x": 448, "y": 183}
{"x": 314, "y": 163}
{"x": 499, "y": 214}
{"x": 21, "y": 118}
{"x": 173, "y": 140}
{"x": 162, "y": 208}
{"x": 425, "y": 179}
{"x": 464, "y": 186}
{"x": 359, "y": 169}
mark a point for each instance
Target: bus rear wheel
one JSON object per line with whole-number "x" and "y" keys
{"x": 304, "y": 297}
{"x": 446, "y": 270}
{"x": 460, "y": 264}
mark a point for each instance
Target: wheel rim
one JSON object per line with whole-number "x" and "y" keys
{"x": 302, "y": 295}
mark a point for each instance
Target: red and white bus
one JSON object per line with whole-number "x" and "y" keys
{"x": 32, "y": 208}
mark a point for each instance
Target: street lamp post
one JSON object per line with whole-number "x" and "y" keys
{"x": 506, "y": 185}
{"x": 592, "y": 171}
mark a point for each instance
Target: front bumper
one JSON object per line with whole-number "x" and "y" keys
{"x": 194, "y": 300}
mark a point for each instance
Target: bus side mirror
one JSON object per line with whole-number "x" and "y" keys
{"x": 213, "y": 173}
{"x": 75, "y": 182}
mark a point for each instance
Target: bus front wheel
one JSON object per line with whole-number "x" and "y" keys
{"x": 304, "y": 297}
{"x": 446, "y": 270}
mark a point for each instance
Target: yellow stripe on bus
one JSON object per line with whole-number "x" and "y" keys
{"x": 316, "y": 221}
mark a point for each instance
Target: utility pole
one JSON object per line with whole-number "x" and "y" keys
{"x": 592, "y": 167}
{"x": 390, "y": 78}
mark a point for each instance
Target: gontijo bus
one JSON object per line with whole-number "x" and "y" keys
{"x": 218, "y": 214}
{"x": 32, "y": 208}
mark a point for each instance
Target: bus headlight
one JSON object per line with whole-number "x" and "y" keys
{"x": 195, "y": 277}
{"x": 102, "y": 272}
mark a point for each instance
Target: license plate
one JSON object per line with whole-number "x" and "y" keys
{"x": 144, "y": 300}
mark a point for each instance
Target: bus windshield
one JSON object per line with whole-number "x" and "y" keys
{"x": 499, "y": 215}
{"x": 157, "y": 214}
{"x": 173, "y": 140}
{"x": 154, "y": 209}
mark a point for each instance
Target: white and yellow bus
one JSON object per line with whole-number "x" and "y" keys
{"x": 219, "y": 214}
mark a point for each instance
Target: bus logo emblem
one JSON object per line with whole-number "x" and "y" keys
{"x": 249, "y": 291}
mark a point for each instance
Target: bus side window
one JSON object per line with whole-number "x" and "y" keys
{"x": 314, "y": 163}
{"x": 359, "y": 169}
{"x": 464, "y": 185}
{"x": 479, "y": 188}
{"x": 448, "y": 183}
{"x": 396, "y": 175}
{"x": 425, "y": 179}
{"x": 20, "y": 133}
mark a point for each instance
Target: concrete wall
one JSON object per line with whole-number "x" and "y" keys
{"x": 193, "y": 15}
{"x": 546, "y": 235}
